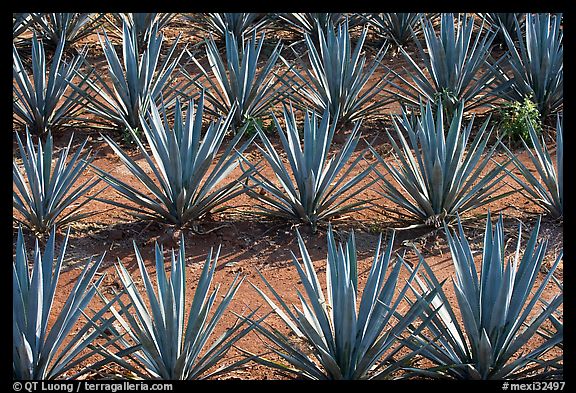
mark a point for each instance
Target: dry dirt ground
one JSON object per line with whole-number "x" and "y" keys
{"x": 250, "y": 243}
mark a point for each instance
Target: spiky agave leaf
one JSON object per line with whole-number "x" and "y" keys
{"x": 43, "y": 350}
{"x": 551, "y": 368}
{"x": 312, "y": 186}
{"x": 44, "y": 101}
{"x": 395, "y": 26}
{"x": 310, "y": 23}
{"x": 500, "y": 21}
{"x": 143, "y": 23}
{"x": 536, "y": 62}
{"x": 184, "y": 185}
{"x": 135, "y": 80}
{"x": 307, "y": 22}
{"x": 494, "y": 308}
{"x": 240, "y": 24}
{"x": 546, "y": 190}
{"x": 159, "y": 337}
{"x": 70, "y": 27}
{"x": 347, "y": 337}
{"x": 237, "y": 79}
{"x": 458, "y": 67}
{"x": 438, "y": 172}
{"x": 45, "y": 192}
{"x": 21, "y": 21}
{"x": 337, "y": 75}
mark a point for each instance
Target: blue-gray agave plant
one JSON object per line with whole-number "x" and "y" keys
{"x": 69, "y": 27}
{"x": 45, "y": 346}
{"x": 239, "y": 24}
{"x": 395, "y": 26}
{"x": 438, "y": 171}
{"x": 346, "y": 335}
{"x": 536, "y": 62}
{"x": 156, "y": 340}
{"x": 454, "y": 67}
{"x": 44, "y": 101}
{"x": 21, "y": 22}
{"x": 554, "y": 368}
{"x": 46, "y": 192}
{"x": 500, "y": 21}
{"x": 143, "y": 24}
{"x": 135, "y": 80}
{"x": 498, "y": 311}
{"x": 310, "y": 23}
{"x": 184, "y": 184}
{"x": 338, "y": 76}
{"x": 314, "y": 186}
{"x": 546, "y": 190}
{"x": 239, "y": 80}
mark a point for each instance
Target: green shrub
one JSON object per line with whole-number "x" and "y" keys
{"x": 516, "y": 117}
{"x": 253, "y": 123}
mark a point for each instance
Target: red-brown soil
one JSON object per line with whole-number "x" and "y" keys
{"x": 251, "y": 243}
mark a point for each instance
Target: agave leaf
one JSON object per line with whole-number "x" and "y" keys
{"x": 347, "y": 342}
{"x": 21, "y": 21}
{"x": 311, "y": 184}
{"x": 438, "y": 176}
{"x": 41, "y": 352}
{"x": 452, "y": 60}
{"x": 168, "y": 347}
{"x": 239, "y": 24}
{"x": 44, "y": 101}
{"x": 396, "y": 26}
{"x": 46, "y": 193}
{"x": 68, "y": 27}
{"x": 494, "y": 309}
{"x": 185, "y": 185}
{"x": 547, "y": 190}
{"x": 142, "y": 24}
{"x": 504, "y": 21}
{"x": 136, "y": 81}
{"x": 337, "y": 76}
{"x": 239, "y": 82}
{"x": 449, "y": 335}
{"x": 311, "y": 22}
{"x": 298, "y": 362}
{"x": 536, "y": 63}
